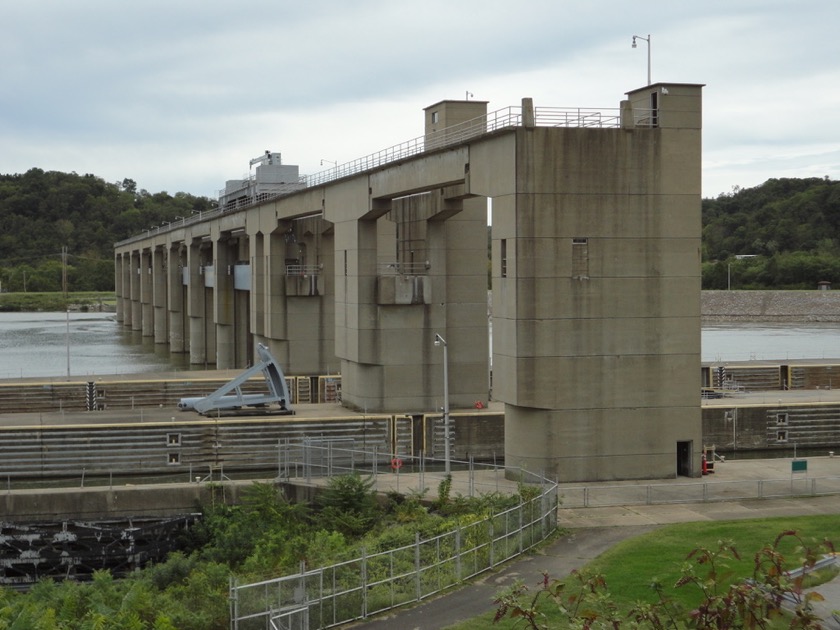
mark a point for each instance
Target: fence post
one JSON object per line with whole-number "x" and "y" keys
{"x": 422, "y": 464}
{"x": 458, "y": 553}
{"x": 279, "y": 460}
{"x": 233, "y": 599}
{"x": 472, "y": 476}
{"x": 492, "y": 541}
{"x": 364, "y": 583}
{"x": 417, "y": 564}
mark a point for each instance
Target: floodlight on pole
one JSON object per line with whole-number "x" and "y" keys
{"x": 440, "y": 341}
{"x": 645, "y": 39}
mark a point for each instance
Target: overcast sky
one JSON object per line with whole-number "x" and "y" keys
{"x": 179, "y": 95}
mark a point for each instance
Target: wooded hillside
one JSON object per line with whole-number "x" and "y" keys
{"x": 784, "y": 234}
{"x": 42, "y": 212}
{"x": 788, "y": 229}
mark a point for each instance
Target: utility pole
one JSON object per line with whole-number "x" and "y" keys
{"x": 64, "y": 270}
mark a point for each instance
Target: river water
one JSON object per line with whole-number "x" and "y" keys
{"x": 44, "y": 344}
{"x": 39, "y": 344}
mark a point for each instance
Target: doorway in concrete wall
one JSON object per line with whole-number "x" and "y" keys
{"x": 684, "y": 458}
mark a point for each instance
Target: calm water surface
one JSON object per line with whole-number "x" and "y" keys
{"x": 36, "y": 344}
{"x": 770, "y": 342}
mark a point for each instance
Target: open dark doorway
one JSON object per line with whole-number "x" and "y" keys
{"x": 684, "y": 459}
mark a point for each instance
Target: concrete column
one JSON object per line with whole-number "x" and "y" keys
{"x": 258, "y": 284}
{"x": 242, "y": 331}
{"x": 118, "y": 286}
{"x": 223, "y": 301}
{"x": 136, "y": 320}
{"x": 195, "y": 305}
{"x": 147, "y": 309}
{"x": 457, "y": 249}
{"x": 159, "y": 294}
{"x": 356, "y": 314}
{"x": 175, "y": 299}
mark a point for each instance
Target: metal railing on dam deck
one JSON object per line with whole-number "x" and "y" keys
{"x": 505, "y": 118}
{"x": 607, "y": 495}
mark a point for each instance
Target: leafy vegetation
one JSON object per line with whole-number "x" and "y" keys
{"x": 771, "y": 597}
{"x": 788, "y": 228}
{"x": 264, "y": 536}
{"x": 42, "y": 212}
{"x": 29, "y": 302}
{"x": 791, "y": 226}
{"x": 659, "y": 572}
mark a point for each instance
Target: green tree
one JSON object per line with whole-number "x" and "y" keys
{"x": 348, "y": 505}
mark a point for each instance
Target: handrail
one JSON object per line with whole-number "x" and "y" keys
{"x": 304, "y": 270}
{"x": 401, "y": 269}
{"x": 501, "y": 119}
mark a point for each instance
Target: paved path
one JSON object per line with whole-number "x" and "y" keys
{"x": 558, "y": 559}
{"x": 593, "y": 530}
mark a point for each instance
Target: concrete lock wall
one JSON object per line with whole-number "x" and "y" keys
{"x": 596, "y": 282}
{"x": 768, "y": 426}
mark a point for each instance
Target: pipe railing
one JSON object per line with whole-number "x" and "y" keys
{"x": 505, "y": 118}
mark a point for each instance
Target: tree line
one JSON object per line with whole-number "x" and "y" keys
{"x": 783, "y": 234}
{"x": 56, "y": 226}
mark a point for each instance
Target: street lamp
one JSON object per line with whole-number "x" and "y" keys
{"x": 440, "y": 341}
{"x": 645, "y": 39}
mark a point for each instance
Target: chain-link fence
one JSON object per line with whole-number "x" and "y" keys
{"x": 373, "y": 583}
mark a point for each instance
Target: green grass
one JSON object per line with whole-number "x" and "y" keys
{"x": 631, "y": 566}
{"x": 54, "y": 301}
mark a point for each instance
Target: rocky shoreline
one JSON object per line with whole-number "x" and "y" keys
{"x": 770, "y": 306}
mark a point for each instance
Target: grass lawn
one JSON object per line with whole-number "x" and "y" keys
{"x": 631, "y": 566}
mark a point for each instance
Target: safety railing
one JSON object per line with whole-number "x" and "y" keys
{"x": 505, "y": 118}
{"x": 576, "y": 117}
{"x": 304, "y": 270}
{"x": 368, "y": 584}
{"x": 603, "y": 495}
{"x": 403, "y": 269}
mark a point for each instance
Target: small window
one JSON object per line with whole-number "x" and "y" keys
{"x": 580, "y": 258}
{"x": 781, "y": 419}
{"x": 173, "y": 439}
{"x": 435, "y": 117}
{"x": 174, "y": 459}
{"x": 782, "y": 435}
{"x": 504, "y": 257}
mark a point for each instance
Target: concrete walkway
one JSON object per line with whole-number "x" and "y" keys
{"x": 593, "y": 530}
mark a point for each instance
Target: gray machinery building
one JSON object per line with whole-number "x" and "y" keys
{"x": 595, "y": 278}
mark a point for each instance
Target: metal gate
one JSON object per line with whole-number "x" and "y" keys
{"x": 292, "y": 618}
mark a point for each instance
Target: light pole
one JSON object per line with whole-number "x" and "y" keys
{"x": 440, "y": 341}
{"x": 645, "y": 39}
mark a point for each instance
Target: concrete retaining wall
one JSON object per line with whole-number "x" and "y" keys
{"x": 770, "y": 306}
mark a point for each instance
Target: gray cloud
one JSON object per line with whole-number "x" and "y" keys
{"x": 179, "y": 95}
